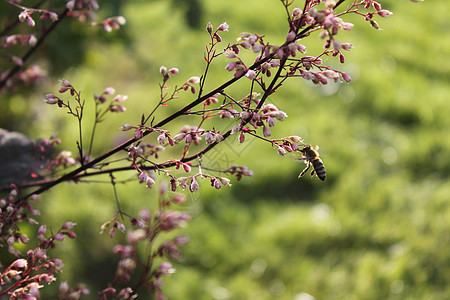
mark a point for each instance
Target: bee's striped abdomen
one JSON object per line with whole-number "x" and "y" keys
{"x": 319, "y": 168}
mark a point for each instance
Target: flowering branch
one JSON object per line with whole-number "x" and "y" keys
{"x": 252, "y": 114}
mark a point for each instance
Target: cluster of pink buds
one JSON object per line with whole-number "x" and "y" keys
{"x": 172, "y": 219}
{"x": 27, "y": 76}
{"x": 26, "y": 13}
{"x": 26, "y": 16}
{"x": 266, "y": 117}
{"x": 148, "y": 178}
{"x": 189, "y": 134}
{"x": 144, "y": 150}
{"x": 167, "y": 73}
{"x": 13, "y": 210}
{"x": 384, "y": 13}
{"x": 288, "y": 144}
{"x": 113, "y": 23}
{"x": 64, "y": 158}
{"x": 115, "y": 225}
{"x": 170, "y": 248}
{"x": 215, "y": 35}
{"x": 149, "y": 229}
{"x": 59, "y": 236}
{"x": 28, "y": 273}
{"x": 20, "y": 39}
{"x": 82, "y": 4}
{"x": 114, "y": 106}
{"x": 239, "y": 171}
{"x": 189, "y": 84}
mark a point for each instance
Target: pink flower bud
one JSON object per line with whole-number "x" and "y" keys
{"x": 23, "y": 16}
{"x": 142, "y": 177}
{"x": 17, "y": 60}
{"x": 30, "y": 21}
{"x": 173, "y": 71}
{"x": 290, "y": 37}
{"x": 178, "y": 198}
{"x": 209, "y": 139}
{"x": 223, "y": 27}
{"x": 347, "y": 46}
{"x": 256, "y": 48}
{"x": 384, "y": 13}
{"x": 244, "y": 115}
{"x": 68, "y": 225}
{"x": 162, "y": 139}
{"x": 126, "y": 127}
{"x": 120, "y": 98}
{"x": 225, "y": 114}
{"x": 218, "y": 138}
{"x": 70, "y": 5}
{"x": 71, "y": 234}
{"x": 346, "y": 77}
{"x": 281, "y": 151}
{"x": 32, "y": 40}
{"x": 374, "y": 24}
{"x": 166, "y": 268}
{"x": 59, "y": 237}
{"x": 117, "y": 108}
{"x": 194, "y": 80}
{"x": 236, "y": 128}
{"x": 230, "y": 54}
{"x": 266, "y": 131}
{"x": 53, "y": 16}
{"x": 19, "y": 264}
{"x": 347, "y": 26}
{"x": 250, "y": 74}
{"x": 120, "y": 226}
{"x": 178, "y": 137}
{"x": 170, "y": 140}
{"x": 149, "y": 182}
{"x": 217, "y": 184}
{"x": 294, "y": 147}
{"x": 241, "y": 137}
{"x": 271, "y": 122}
{"x": 224, "y": 181}
{"x": 194, "y": 185}
{"x": 301, "y": 48}
{"x": 281, "y": 115}
{"x": 181, "y": 240}
{"x": 109, "y": 91}
{"x": 63, "y": 287}
{"x": 376, "y": 5}
{"x": 42, "y": 230}
{"x": 209, "y": 27}
{"x": 101, "y": 99}
{"x": 245, "y": 45}
{"x": 231, "y": 66}
{"x": 138, "y": 133}
{"x": 336, "y": 44}
{"x": 280, "y": 53}
{"x": 186, "y": 167}
{"x": 145, "y": 214}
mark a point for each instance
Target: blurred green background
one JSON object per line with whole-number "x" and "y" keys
{"x": 377, "y": 228}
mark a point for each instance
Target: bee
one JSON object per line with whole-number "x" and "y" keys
{"x": 311, "y": 156}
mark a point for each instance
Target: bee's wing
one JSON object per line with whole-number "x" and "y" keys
{"x": 296, "y": 155}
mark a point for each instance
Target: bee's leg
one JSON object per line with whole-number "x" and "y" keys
{"x": 312, "y": 173}
{"x": 305, "y": 170}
